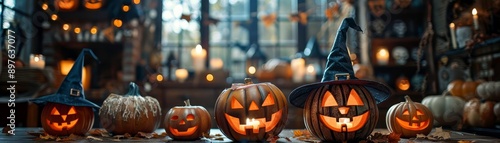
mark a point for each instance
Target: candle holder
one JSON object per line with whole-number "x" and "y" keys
{"x": 37, "y": 61}
{"x": 181, "y": 75}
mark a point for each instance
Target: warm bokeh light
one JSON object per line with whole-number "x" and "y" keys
{"x": 53, "y": 17}
{"x": 65, "y": 27}
{"x": 125, "y": 8}
{"x": 45, "y": 6}
{"x": 251, "y": 70}
{"x": 65, "y": 67}
{"x": 210, "y": 77}
{"x": 159, "y": 77}
{"x": 117, "y": 23}
{"x": 77, "y": 30}
{"x": 137, "y": 1}
{"x": 93, "y": 30}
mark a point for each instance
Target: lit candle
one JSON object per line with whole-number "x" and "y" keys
{"x": 181, "y": 75}
{"x": 216, "y": 63}
{"x": 382, "y": 56}
{"x": 198, "y": 54}
{"x": 310, "y": 74}
{"x": 37, "y": 61}
{"x": 474, "y": 17}
{"x": 452, "y": 33}
{"x": 298, "y": 70}
{"x": 252, "y": 70}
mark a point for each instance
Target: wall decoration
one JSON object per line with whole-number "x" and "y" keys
{"x": 251, "y": 111}
{"x": 400, "y": 55}
{"x": 409, "y": 119}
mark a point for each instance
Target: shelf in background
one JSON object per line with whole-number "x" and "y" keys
{"x": 478, "y": 49}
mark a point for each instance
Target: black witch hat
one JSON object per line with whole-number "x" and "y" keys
{"x": 339, "y": 63}
{"x": 71, "y": 90}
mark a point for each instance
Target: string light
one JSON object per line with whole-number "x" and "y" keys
{"x": 93, "y": 30}
{"x": 65, "y": 27}
{"x": 45, "y": 6}
{"x": 117, "y": 23}
{"x": 77, "y": 30}
{"x": 137, "y": 1}
{"x": 53, "y": 17}
{"x": 125, "y": 8}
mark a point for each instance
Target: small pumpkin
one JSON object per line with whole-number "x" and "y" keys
{"x": 62, "y": 120}
{"x": 446, "y": 110}
{"x": 409, "y": 119}
{"x": 477, "y": 114}
{"x": 187, "y": 122}
{"x": 66, "y": 5}
{"x": 469, "y": 89}
{"x": 489, "y": 91}
{"x": 455, "y": 87}
{"x": 251, "y": 111}
{"x": 130, "y": 113}
{"x": 93, "y": 4}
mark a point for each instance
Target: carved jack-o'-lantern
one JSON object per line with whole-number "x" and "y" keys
{"x": 187, "y": 122}
{"x": 251, "y": 112}
{"x": 341, "y": 112}
{"x": 62, "y": 120}
{"x": 66, "y": 4}
{"x": 409, "y": 118}
{"x": 93, "y": 4}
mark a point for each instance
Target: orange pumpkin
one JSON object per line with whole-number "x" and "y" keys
{"x": 66, "y": 5}
{"x": 131, "y": 113}
{"x": 251, "y": 112}
{"x": 187, "y": 122}
{"x": 455, "y": 87}
{"x": 93, "y": 4}
{"x": 477, "y": 114}
{"x": 63, "y": 120}
{"x": 409, "y": 119}
{"x": 469, "y": 89}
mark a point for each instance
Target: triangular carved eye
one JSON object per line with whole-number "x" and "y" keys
{"x": 329, "y": 100}
{"x": 269, "y": 100}
{"x": 354, "y": 99}
{"x": 72, "y": 111}
{"x": 235, "y": 104}
{"x": 54, "y": 111}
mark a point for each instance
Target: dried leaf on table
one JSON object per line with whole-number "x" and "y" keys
{"x": 394, "y": 137}
{"x": 378, "y": 137}
{"x": 94, "y": 138}
{"x": 99, "y": 132}
{"x": 439, "y": 134}
{"x": 144, "y": 135}
{"x": 272, "y": 138}
{"x": 465, "y": 141}
{"x": 46, "y": 136}
{"x": 162, "y": 135}
{"x": 421, "y": 136}
{"x": 127, "y": 135}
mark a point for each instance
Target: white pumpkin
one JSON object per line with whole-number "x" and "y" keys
{"x": 447, "y": 110}
{"x": 489, "y": 91}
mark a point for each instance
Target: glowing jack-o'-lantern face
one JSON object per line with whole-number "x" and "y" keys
{"x": 61, "y": 120}
{"x": 93, "y": 4}
{"x": 409, "y": 118}
{"x": 66, "y": 4}
{"x": 340, "y": 112}
{"x": 254, "y": 123}
{"x": 187, "y": 122}
{"x": 346, "y": 123}
{"x": 251, "y": 112}
{"x": 59, "y": 126}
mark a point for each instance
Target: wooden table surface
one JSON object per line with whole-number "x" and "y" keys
{"x": 21, "y": 135}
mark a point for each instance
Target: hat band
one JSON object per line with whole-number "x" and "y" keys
{"x": 342, "y": 74}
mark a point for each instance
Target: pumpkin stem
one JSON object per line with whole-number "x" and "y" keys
{"x": 187, "y": 103}
{"x": 408, "y": 99}
{"x": 248, "y": 81}
{"x": 133, "y": 90}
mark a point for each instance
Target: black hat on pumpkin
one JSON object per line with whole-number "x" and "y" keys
{"x": 339, "y": 66}
{"x": 71, "y": 90}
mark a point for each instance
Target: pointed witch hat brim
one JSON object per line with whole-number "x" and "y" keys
{"x": 71, "y": 91}
{"x": 339, "y": 64}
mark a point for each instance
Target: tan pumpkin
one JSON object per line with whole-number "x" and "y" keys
{"x": 409, "y": 119}
{"x": 131, "y": 113}
{"x": 489, "y": 91}
{"x": 187, "y": 122}
{"x": 251, "y": 111}
{"x": 63, "y": 120}
{"x": 477, "y": 114}
{"x": 446, "y": 110}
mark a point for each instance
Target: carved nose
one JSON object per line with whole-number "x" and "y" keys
{"x": 182, "y": 122}
{"x": 414, "y": 118}
{"x": 253, "y": 106}
{"x": 64, "y": 117}
{"x": 343, "y": 110}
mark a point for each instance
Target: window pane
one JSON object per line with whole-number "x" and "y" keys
{"x": 225, "y": 9}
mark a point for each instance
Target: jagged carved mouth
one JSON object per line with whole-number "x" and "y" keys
{"x": 61, "y": 126}
{"x": 188, "y": 132}
{"x": 415, "y": 125}
{"x": 254, "y": 124}
{"x": 345, "y": 124}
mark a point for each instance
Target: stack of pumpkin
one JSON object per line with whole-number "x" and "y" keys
{"x": 473, "y": 104}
